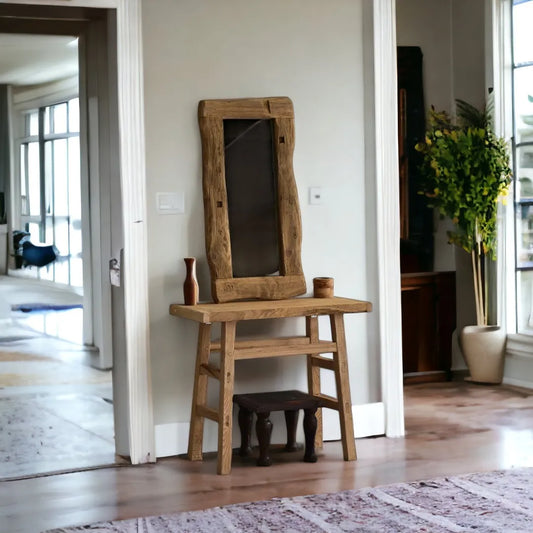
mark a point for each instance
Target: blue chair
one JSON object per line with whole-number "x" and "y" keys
{"x": 38, "y": 256}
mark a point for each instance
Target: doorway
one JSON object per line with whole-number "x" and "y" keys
{"x": 46, "y": 368}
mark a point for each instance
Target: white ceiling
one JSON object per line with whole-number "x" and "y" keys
{"x": 34, "y": 59}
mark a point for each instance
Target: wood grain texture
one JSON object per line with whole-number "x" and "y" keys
{"x": 271, "y": 107}
{"x": 261, "y": 288}
{"x": 342, "y": 381}
{"x": 225, "y": 403}
{"x": 313, "y": 374}
{"x": 328, "y": 401}
{"x": 257, "y": 310}
{"x": 322, "y": 362}
{"x": 290, "y": 223}
{"x": 429, "y": 318}
{"x": 276, "y": 350}
{"x": 199, "y": 395}
{"x": 217, "y": 237}
{"x": 323, "y": 287}
{"x": 277, "y": 347}
{"x": 224, "y": 287}
{"x": 211, "y": 371}
{"x": 208, "y": 412}
{"x": 254, "y": 342}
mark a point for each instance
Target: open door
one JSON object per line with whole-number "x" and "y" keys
{"x": 100, "y": 173}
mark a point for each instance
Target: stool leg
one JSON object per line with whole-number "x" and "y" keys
{"x": 313, "y": 374}
{"x": 245, "y": 425}
{"x": 340, "y": 361}
{"x": 263, "y": 428}
{"x": 291, "y": 421}
{"x": 225, "y": 401}
{"x": 199, "y": 395}
{"x": 310, "y": 424}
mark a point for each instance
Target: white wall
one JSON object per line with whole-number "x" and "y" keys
{"x": 311, "y": 51}
{"x": 469, "y": 61}
{"x": 427, "y": 23}
{"x": 451, "y": 34}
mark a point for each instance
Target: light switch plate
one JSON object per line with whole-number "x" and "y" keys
{"x": 170, "y": 203}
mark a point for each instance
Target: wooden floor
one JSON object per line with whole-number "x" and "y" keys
{"x": 452, "y": 428}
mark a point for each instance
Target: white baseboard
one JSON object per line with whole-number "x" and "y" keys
{"x": 518, "y": 383}
{"x": 369, "y": 420}
{"x": 518, "y": 368}
{"x": 171, "y": 439}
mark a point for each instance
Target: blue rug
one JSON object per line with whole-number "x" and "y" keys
{"x": 28, "y": 308}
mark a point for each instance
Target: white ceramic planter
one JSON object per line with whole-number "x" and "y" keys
{"x": 483, "y": 348}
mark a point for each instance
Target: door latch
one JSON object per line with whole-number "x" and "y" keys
{"x": 114, "y": 272}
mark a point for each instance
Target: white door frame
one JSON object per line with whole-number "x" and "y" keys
{"x": 135, "y": 258}
{"x": 133, "y": 183}
{"x": 388, "y": 214}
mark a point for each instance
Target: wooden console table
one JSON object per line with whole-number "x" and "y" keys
{"x": 228, "y": 314}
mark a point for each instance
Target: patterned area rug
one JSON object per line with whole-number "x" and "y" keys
{"x": 41, "y": 433}
{"x": 24, "y": 369}
{"x": 488, "y": 502}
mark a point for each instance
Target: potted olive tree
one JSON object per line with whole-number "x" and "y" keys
{"x": 465, "y": 171}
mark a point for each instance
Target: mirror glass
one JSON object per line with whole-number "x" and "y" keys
{"x": 251, "y": 184}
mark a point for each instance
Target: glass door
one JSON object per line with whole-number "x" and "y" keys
{"x": 50, "y": 191}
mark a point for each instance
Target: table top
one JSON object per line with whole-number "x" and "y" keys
{"x": 208, "y": 313}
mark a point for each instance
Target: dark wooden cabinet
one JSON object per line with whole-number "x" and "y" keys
{"x": 428, "y": 321}
{"x": 416, "y": 219}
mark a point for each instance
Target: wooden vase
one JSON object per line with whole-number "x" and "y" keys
{"x": 323, "y": 287}
{"x": 190, "y": 285}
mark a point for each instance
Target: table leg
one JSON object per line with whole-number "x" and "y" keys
{"x": 313, "y": 374}
{"x": 263, "y": 428}
{"x": 310, "y": 426}
{"x": 245, "y": 425}
{"x": 291, "y": 422}
{"x": 225, "y": 403}
{"x": 199, "y": 396}
{"x": 343, "y": 387}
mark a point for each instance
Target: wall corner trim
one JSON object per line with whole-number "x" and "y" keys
{"x": 133, "y": 181}
{"x": 388, "y": 216}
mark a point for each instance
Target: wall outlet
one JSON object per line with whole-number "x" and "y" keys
{"x": 316, "y": 196}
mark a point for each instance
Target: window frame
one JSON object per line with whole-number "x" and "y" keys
{"x": 518, "y": 202}
{"x": 22, "y": 109}
{"x": 519, "y": 345}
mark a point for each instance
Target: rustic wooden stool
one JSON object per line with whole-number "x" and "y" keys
{"x": 262, "y": 403}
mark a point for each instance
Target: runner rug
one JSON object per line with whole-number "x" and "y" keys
{"x": 488, "y": 502}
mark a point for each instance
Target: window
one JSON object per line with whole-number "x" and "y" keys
{"x": 522, "y": 53}
{"x": 49, "y": 181}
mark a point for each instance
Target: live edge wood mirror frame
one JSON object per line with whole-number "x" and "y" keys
{"x": 252, "y": 216}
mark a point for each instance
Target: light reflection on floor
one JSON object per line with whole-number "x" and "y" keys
{"x": 57, "y": 410}
{"x": 66, "y": 325}
{"x": 516, "y": 448}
